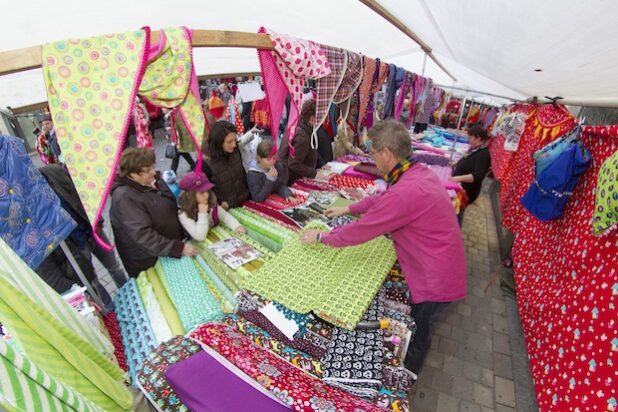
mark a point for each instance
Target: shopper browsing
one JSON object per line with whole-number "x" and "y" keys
{"x": 417, "y": 213}
{"x": 144, "y": 214}
{"x": 266, "y": 175}
{"x": 199, "y": 210}
{"x": 223, "y": 165}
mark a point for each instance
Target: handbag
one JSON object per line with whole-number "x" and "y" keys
{"x": 171, "y": 151}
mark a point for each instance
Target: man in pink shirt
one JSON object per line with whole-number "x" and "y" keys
{"x": 417, "y": 213}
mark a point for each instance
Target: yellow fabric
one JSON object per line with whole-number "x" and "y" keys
{"x": 167, "y": 307}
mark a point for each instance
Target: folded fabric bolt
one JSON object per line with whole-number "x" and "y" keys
{"x": 276, "y": 317}
{"x": 151, "y": 377}
{"x": 205, "y": 384}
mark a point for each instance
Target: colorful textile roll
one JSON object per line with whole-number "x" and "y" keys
{"x": 298, "y": 390}
{"x": 137, "y": 335}
{"x": 167, "y": 307}
{"x": 194, "y": 302}
{"x": 151, "y": 376}
{"x": 160, "y": 328}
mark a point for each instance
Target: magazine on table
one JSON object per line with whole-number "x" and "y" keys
{"x": 234, "y": 252}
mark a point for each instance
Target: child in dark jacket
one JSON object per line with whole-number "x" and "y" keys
{"x": 265, "y": 175}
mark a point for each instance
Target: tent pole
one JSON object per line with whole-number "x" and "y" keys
{"x": 388, "y": 16}
{"x": 80, "y": 273}
{"x": 424, "y": 64}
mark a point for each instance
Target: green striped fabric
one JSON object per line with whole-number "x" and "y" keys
{"x": 61, "y": 353}
{"x": 26, "y": 387}
{"x": 21, "y": 277}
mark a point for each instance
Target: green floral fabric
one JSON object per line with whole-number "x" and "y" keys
{"x": 336, "y": 283}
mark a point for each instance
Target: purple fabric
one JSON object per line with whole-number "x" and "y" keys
{"x": 204, "y": 384}
{"x": 430, "y": 158}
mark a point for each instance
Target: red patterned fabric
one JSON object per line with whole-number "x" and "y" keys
{"x": 567, "y": 286}
{"x": 142, "y": 133}
{"x": 501, "y": 158}
{"x": 341, "y": 181}
{"x": 547, "y": 123}
{"x": 113, "y": 329}
{"x": 270, "y": 213}
{"x": 297, "y": 389}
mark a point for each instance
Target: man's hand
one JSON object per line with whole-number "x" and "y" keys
{"x": 335, "y": 211}
{"x": 310, "y": 236}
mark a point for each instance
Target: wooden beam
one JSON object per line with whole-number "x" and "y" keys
{"x": 14, "y": 61}
{"x": 388, "y": 16}
{"x": 29, "y": 108}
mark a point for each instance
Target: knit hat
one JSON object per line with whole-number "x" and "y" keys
{"x": 195, "y": 182}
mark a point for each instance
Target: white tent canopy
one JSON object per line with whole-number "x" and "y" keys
{"x": 490, "y": 46}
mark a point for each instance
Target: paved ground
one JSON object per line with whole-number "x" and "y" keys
{"x": 478, "y": 362}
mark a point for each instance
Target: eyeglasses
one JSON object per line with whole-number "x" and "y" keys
{"x": 146, "y": 170}
{"x": 373, "y": 151}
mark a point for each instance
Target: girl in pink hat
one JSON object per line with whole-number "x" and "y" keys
{"x": 199, "y": 210}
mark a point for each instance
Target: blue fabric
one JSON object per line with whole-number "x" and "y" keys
{"x": 190, "y": 295}
{"x": 549, "y": 193}
{"x": 137, "y": 336}
{"x": 32, "y": 221}
{"x": 395, "y": 79}
{"x": 548, "y": 154}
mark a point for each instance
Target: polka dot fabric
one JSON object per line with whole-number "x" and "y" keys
{"x": 567, "y": 291}
{"x": 288, "y": 383}
{"x": 91, "y": 87}
{"x": 519, "y": 173}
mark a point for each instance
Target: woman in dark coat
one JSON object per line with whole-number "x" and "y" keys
{"x": 304, "y": 161}
{"x": 144, "y": 214}
{"x": 223, "y": 165}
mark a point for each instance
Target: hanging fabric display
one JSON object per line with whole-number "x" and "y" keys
{"x": 284, "y": 70}
{"x": 32, "y": 225}
{"x": 349, "y": 84}
{"x": 553, "y": 186}
{"x": 232, "y": 115}
{"x": 328, "y": 86}
{"x": 605, "y": 217}
{"x": 403, "y": 92}
{"x": 170, "y": 82}
{"x": 519, "y": 174}
{"x": 566, "y": 288}
{"x": 142, "y": 132}
{"x": 92, "y": 84}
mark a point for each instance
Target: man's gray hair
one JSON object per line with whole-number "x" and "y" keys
{"x": 392, "y": 135}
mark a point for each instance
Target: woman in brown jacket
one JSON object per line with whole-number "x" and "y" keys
{"x": 223, "y": 165}
{"x": 144, "y": 214}
{"x": 304, "y": 161}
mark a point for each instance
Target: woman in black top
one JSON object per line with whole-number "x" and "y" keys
{"x": 472, "y": 168}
